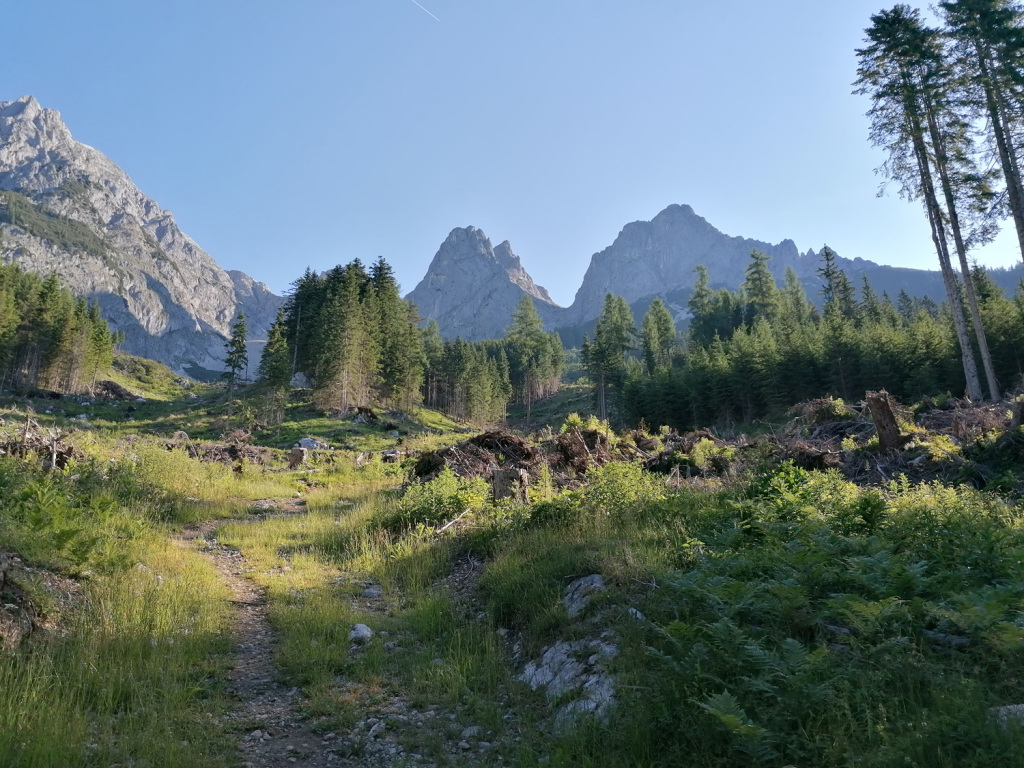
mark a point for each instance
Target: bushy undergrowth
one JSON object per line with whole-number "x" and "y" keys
{"x": 799, "y": 620}
{"x": 436, "y": 502}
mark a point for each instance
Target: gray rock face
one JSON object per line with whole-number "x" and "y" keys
{"x": 577, "y": 595}
{"x": 152, "y": 281}
{"x": 651, "y": 257}
{"x": 575, "y": 670}
{"x": 472, "y": 288}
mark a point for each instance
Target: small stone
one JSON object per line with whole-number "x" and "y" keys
{"x": 484, "y": 745}
{"x": 377, "y": 729}
{"x": 636, "y": 614}
{"x": 577, "y": 595}
{"x": 389, "y": 646}
{"x": 257, "y": 734}
{"x": 472, "y": 732}
{"x": 360, "y": 634}
{"x": 464, "y": 745}
{"x": 437, "y": 662}
{"x": 373, "y": 591}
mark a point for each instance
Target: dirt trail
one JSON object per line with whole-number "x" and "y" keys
{"x": 273, "y": 730}
{"x": 279, "y": 735}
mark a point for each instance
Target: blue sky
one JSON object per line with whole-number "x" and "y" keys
{"x": 310, "y": 132}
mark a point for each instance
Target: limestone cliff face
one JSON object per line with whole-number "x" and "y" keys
{"x": 172, "y": 300}
{"x": 472, "y": 288}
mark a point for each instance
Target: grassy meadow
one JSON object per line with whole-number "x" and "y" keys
{"x": 775, "y": 617}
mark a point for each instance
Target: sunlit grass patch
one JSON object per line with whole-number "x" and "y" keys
{"x": 137, "y": 676}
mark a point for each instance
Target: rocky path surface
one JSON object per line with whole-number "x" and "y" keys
{"x": 274, "y": 730}
{"x": 284, "y": 737}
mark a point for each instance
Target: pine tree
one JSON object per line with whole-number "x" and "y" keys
{"x": 988, "y": 52}
{"x": 900, "y": 69}
{"x": 605, "y": 357}
{"x": 528, "y": 345}
{"x": 760, "y": 290}
{"x": 658, "y": 337}
{"x": 837, "y": 290}
{"x": 274, "y": 375}
{"x": 236, "y": 359}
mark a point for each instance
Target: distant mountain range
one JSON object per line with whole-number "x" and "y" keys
{"x": 471, "y": 288}
{"x": 66, "y": 208}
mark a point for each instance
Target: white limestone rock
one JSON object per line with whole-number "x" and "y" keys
{"x": 577, "y": 595}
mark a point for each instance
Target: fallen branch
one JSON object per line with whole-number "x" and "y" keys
{"x": 446, "y": 526}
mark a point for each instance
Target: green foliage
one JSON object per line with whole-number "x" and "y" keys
{"x": 591, "y": 423}
{"x": 435, "y": 502}
{"x": 237, "y": 357}
{"x": 605, "y": 356}
{"x": 49, "y": 338}
{"x": 535, "y": 358}
{"x": 754, "y": 371}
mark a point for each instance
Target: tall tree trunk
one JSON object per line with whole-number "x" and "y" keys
{"x": 942, "y": 164}
{"x": 942, "y": 249}
{"x": 996, "y": 105}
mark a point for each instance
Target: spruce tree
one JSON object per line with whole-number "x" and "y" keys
{"x": 236, "y": 359}
{"x": 658, "y": 337}
{"x": 988, "y": 54}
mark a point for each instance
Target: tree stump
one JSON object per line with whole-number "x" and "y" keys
{"x": 296, "y": 458}
{"x": 511, "y": 483}
{"x": 889, "y": 436}
{"x": 1018, "y": 408}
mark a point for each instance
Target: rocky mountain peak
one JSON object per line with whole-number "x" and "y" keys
{"x": 517, "y": 274}
{"x": 471, "y": 287}
{"x": 152, "y": 281}
{"x": 649, "y": 257}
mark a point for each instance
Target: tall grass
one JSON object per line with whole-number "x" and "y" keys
{"x": 135, "y": 678}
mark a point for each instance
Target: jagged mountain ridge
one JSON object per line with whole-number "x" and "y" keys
{"x": 152, "y": 281}
{"x": 648, "y": 259}
{"x": 471, "y": 287}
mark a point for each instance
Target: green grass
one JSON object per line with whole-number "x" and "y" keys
{"x": 148, "y": 378}
{"x": 135, "y": 674}
{"x": 792, "y": 618}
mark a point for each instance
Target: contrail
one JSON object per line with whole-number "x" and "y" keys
{"x": 424, "y": 10}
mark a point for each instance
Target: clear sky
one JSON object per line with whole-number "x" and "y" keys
{"x": 310, "y": 132}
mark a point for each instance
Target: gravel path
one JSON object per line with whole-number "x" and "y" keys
{"x": 274, "y": 731}
{"x": 283, "y": 737}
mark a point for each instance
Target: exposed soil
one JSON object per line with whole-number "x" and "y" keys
{"x": 282, "y": 737}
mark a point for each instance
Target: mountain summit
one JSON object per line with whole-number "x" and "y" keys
{"x": 471, "y": 288}
{"x": 67, "y": 208}
{"x": 649, "y": 258}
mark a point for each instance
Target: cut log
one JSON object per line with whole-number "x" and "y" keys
{"x": 889, "y": 436}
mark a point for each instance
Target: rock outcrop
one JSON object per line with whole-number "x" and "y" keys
{"x": 83, "y": 219}
{"x": 472, "y": 288}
